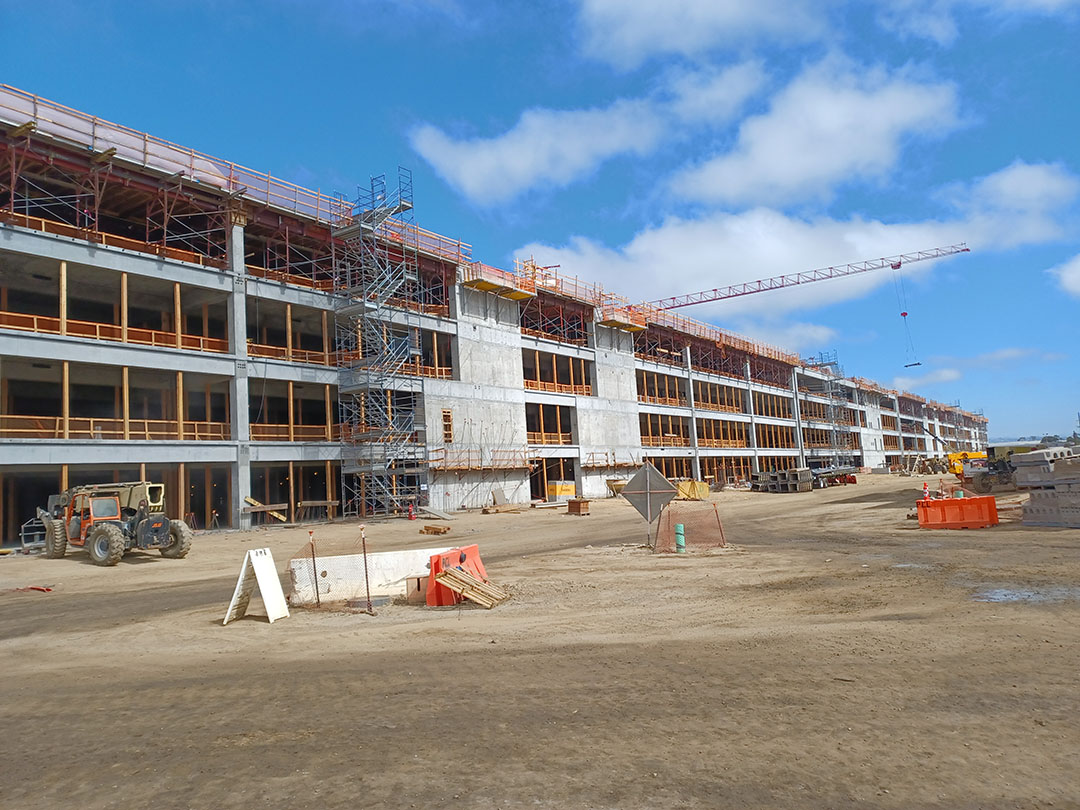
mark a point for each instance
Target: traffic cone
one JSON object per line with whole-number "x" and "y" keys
{"x": 925, "y": 491}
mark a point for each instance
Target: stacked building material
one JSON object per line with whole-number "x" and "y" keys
{"x": 1052, "y": 476}
{"x": 797, "y": 479}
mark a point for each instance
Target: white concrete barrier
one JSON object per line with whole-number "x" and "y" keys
{"x": 340, "y": 578}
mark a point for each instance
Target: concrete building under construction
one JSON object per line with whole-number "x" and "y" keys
{"x": 167, "y": 315}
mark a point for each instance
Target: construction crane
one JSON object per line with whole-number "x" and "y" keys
{"x": 794, "y": 279}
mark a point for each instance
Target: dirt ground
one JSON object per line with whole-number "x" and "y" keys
{"x": 835, "y": 655}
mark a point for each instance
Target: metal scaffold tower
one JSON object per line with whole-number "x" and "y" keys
{"x": 375, "y": 266}
{"x": 841, "y": 446}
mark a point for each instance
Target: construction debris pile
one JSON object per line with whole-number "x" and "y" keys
{"x": 1052, "y": 477}
{"x": 797, "y": 479}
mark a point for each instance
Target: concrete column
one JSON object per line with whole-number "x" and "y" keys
{"x": 753, "y": 422}
{"x": 693, "y": 413}
{"x": 798, "y": 416}
{"x": 240, "y": 484}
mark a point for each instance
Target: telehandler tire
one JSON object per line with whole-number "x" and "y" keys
{"x": 106, "y": 544}
{"x": 55, "y": 539}
{"x": 180, "y": 534}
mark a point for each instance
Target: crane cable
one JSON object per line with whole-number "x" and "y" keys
{"x": 901, "y": 301}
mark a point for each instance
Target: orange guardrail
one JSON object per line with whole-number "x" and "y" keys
{"x": 300, "y": 433}
{"x": 536, "y": 437}
{"x": 665, "y": 441}
{"x": 50, "y": 325}
{"x": 558, "y": 388}
{"x": 108, "y": 240}
{"x": 13, "y": 426}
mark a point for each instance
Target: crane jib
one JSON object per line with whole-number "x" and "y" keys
{"x": 806, "y": 277}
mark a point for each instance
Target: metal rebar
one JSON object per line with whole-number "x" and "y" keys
{"x": 314, "y": 569}
{"x": 367, "y": 584}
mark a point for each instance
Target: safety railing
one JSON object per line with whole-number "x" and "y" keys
{"x": 323, "y": 285}
{"x": 51, "y": 325}
{"x": 501, "y": 282}
{"x": 653, "y": 400}
{"x": 670, "y": 360}
{"x": 109, "y": 240}
{"x": 297, "y": 433}
{"x": 558, "y": 388}
{"x": 293, "y": 355}
{"x": 435, "y": 372}
{"x": 536, "y": 437}
{"x": 14, "y": 426}
{"x": 665, "y": 441}
{"x": 716, "y": 406}
{"x": 703, "y": 442}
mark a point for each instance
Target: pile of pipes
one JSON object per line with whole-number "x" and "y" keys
{"x": 1052, "y": 478}
{"x": 797, "y": 479}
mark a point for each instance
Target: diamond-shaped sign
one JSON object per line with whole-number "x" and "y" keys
{"x": 649, "y": 492}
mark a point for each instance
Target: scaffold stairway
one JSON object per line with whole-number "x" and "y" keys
{"x": 375, "y": 273}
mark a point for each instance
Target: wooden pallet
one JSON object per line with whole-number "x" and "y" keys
{"x": 485, "y": 594}
{"x": 435, "y": 530}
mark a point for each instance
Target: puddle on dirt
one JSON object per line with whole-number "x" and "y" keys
{"x": 1042, "y": 595}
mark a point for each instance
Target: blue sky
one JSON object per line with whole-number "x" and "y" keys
{"x": 662, "y": 148}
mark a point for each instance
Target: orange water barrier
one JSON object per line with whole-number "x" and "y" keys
{"x": 466, "y": 558}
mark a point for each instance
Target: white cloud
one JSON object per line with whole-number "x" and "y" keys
{"x": 681, "y": 255}
{"x": 1019, "y": 204}
{"x": 714, "y": 96}
{"x": 1000, "y": 357}
{"x": 790, "y": 336}
{"x": 936, "y": 19}
{"x": 941, "y": 375}
{"x": 553, "y": 148}
{"x": 834, "y": 123}
{"x": 627, "y": 33}
{"x": 545, "y": 148}
{"x": 1068, "y": 275}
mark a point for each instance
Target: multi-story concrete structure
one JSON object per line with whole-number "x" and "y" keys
{"x": 168, "y": 315}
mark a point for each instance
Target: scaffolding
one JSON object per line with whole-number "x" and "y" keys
{"x": 837, "y": 414}
{"x": 376, "y": 270}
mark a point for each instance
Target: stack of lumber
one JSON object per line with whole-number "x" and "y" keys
{"x": 485, "y": 594}
{"x": 429, "y": 529}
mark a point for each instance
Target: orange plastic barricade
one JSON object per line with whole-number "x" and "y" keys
{"x": 466, "y": 558}
{"x": 958, "y": 513}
